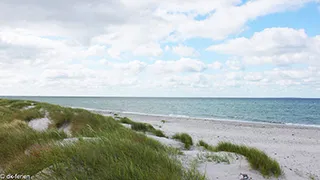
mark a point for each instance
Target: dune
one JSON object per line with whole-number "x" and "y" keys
{"x": 296, "y": 148}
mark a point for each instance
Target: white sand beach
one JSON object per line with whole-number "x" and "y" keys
{"x": 296, "y": 148}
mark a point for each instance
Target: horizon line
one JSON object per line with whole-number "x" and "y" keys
{"x": 217, "y": 97}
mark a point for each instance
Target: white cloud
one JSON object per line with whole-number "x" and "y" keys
{"x": 279, "y": 46}
{"x": 167, "y": 48}
{"x": 151, "y": 49}
{"x": 215, "y": 65}
{"x": 55, "y": 46}
{"x": 184, "y": 51}
{"x": 141, "y": 24}
{"x": 254, "y": 76}
{"x": 270, "y": 40}
{"x": 182, "y": 65}
{"x": 234, "y": 65}
{"x": 139, "y": 39}
{"x": 132, "y": 67}
{"x": 232, "y": 19}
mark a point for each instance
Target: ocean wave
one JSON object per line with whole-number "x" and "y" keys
{"x": 304, "y": 125}
{"x": 162, "y": 115}
{"x": 179, "y": 116}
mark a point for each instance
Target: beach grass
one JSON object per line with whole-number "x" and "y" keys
{"x": 257, "y": 159}
{"x": 206, "y": 145}
{"x": 143, "y": 127}
{"x": 119, "y": 152}
{"x": 139, "y": 127}
{"x": 158, "y": 133}
{"x": 115, "y": 152}
{"x": 193, "y": 172}
{"x": 16, "y": 137}
{"x": 126, "y": 120}
{"x": 209, "y": 157}
{"x": 184, "y": 138}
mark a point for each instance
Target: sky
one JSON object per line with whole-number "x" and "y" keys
{"x": 189, "y": 48}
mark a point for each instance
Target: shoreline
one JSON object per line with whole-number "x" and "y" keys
{"x": 296, "y": 148}
{"x": 261, "y": 123}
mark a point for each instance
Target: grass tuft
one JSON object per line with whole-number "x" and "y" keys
{"x": 184, "y": 138}
{"x": 206, "y": 145}
{"x": 193, "y": 173}
{"x": 126, "y": 120}
{"x": 158, "y": 133}
{"x": 143, "y": 127}
{"x": 29, "y": 114}
{"x": 257, "y": 159}
{"x": 209, "y": 157}
{"x": 139, "y": 127}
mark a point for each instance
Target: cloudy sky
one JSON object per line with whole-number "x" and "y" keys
{"x": 238, "y": 48}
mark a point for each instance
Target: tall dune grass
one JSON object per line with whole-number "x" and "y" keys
{"x": 184, "y": 138}
{"x": 257, "y": 159}
{"x": 119, "y": 153}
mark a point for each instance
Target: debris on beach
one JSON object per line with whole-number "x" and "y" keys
{"x": 244, "y": 176}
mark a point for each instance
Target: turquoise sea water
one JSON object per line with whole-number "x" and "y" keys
{"x": 273, "y": 110}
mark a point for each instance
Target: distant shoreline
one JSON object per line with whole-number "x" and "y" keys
{"x": 226, "y": 121}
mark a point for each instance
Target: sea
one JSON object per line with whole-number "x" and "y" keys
{"x": 269, "y": 110}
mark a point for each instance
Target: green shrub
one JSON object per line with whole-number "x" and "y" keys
{"x": 257, "y": 159}
{"x": 184, "y": 138}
